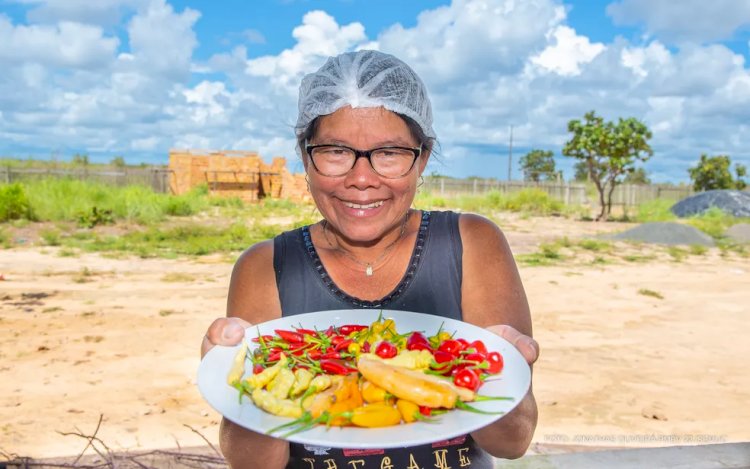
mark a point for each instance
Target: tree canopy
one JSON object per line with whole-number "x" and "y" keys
{"x": 713, "y": 172}
{"x": 538, "y": 165}
{"x": 609, "y": 150}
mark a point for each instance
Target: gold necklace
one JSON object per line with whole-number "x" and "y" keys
{"x": 369, "y": 266}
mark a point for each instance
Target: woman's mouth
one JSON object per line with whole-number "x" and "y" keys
{"x": 375, "y": 204}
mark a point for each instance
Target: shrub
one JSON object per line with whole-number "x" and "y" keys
{"x": 14, "y": 204}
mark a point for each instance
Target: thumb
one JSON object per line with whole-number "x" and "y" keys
{"x": 224, "y": 331}
{"x": 525, "y": 344}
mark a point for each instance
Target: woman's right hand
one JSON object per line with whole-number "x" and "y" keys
{"x": 224, "y": 331}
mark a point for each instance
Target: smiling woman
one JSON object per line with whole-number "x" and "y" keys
{"x": 365, "y": 135}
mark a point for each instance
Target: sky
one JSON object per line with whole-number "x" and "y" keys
{"x": 134, "y": 78}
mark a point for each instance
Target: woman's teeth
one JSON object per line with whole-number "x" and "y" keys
{"x": 359, "y": 206}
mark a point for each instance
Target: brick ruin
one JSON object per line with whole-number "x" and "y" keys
{"x": 234, "y": 173}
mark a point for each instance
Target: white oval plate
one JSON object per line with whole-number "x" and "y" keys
{"x": 512, "y": 382}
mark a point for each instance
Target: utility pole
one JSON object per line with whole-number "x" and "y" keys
{"x": 510, "y": 153}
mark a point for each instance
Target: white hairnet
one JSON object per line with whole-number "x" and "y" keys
{"x": 365, "y": 78}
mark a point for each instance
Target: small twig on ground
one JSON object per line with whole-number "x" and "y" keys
{"x": 204, "y": 439}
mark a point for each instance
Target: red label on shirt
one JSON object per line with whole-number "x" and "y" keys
{"x": 362, "y": 452}
{"x": 455, "y": 441}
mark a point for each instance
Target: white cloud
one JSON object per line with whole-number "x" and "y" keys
{"x": 471, "y": 38}
{"x": 68, "y": 85}
{"x": 684, "y": 20}
{"x": 568, "y": 52}
{"x": 65, "y": 44}
{"x": 162, "y": 40}
{"x": 318, "y": 37}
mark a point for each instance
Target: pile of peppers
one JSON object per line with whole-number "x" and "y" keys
{"x": 334, "y": 351}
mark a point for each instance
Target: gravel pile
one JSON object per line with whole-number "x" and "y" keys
{"x": 665, "y": 233}
{"x": 736, "y": 203}
{"x": 739, "y": 233}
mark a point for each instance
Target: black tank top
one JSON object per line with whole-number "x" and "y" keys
{"x": 431, "y": 284}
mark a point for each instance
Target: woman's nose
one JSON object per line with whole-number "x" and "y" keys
{"x": 362, "y": 175}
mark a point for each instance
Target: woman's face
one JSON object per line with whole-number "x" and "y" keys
{"x": 361, "y": 205}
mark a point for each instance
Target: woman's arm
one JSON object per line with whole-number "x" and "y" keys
{"x": 493, "y": 297}
{"x": 253, "y": 297}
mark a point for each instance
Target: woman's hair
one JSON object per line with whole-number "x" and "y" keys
{"x": 426, "y": 143}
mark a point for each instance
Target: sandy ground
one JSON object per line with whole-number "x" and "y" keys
{"x": 91, "y": 335}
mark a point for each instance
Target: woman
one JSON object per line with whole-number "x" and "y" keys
{"x": 365, "y": 136}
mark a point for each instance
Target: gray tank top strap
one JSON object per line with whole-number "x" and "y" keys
{"x": 431, "y": 283}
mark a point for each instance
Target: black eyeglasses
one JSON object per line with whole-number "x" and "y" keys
{"x": 337, "y": 160}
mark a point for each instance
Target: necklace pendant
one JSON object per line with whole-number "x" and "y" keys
{"x": 368, "y": 270}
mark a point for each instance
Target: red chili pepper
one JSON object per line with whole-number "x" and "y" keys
{"x": 479, "y": 347}
{"x": 496, "y": 363}
{"x": 299, "y": 349}
{"x": 451, "y": 346}
{"x": 266, "y": 338}
{"x": 467, "y": 378}
{"x": 257, "y": 368}
{"x": 386, "y": 349}
{"x": 290, "y": 336}
{"x": 366, "y": 347}
{"x": 273, "y": 357}
{"x": 330, "y": 331}
{"x": 474, "y": 357}
{"x": 343, "y": 345}
{"x": 424, "y": 410}
{"x": 464, "y": 343}
{"x": 417, "y": 341}
{"x": 335, "y": 367}
{"x": 349, "y": 328}
{"x": 337, "y": 339}
{"x": 330, "y": 355}
{"x": 305, "y": 331}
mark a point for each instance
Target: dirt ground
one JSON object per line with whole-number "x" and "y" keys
{"x": 88, "y": 336}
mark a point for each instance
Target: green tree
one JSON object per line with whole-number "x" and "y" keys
{"x": 637, "y": 176}
{"x": 118, "y": 162}
{"x": 713, "y": 172}
{"x": 80, "y": 160}
{"x": 610, "y": 151}
{"x": 538, "y": 165}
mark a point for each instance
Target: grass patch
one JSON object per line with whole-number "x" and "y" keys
{"x": 527, "y": 201}
{"x": 655, "y": 210}
{"x": 549, "y": 253}
{"x": 715, "y": 222}
{"x": 697, "y": 249}
{"x": 83, "y": 276}
{"x": 177, "y": 277}
{"x": 50, "y": 237}
{"x": 677, "y": 253}
{"x": 595, "y": 245}
{"x": 189, "y": 239}
{"x": 638, "y": 258}
{"x": 651, "y": 293}
{"x": 91, "y": 203}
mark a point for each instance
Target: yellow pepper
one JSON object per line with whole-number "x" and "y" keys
{"x": 375, "y": 415}
{"x": 408, "y": 410}
{"x": 372, "y": 393}
{"x": 265, "y": 376}
{"x": 238, "y": 366}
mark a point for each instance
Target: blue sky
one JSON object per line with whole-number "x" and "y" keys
{"x": 137, "y": 77}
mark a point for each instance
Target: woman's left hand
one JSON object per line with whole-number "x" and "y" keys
{"x": 528, "y": 347}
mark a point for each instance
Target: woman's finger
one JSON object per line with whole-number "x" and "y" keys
{"x": 528, "y": 347}
{"x": 224, "y": 331}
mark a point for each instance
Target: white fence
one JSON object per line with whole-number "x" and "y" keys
{"x": 568, "y": 192}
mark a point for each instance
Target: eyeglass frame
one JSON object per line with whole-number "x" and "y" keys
{"x": 363, "y": 154}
